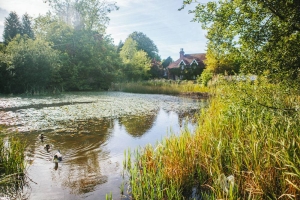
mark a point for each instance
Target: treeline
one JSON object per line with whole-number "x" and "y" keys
{"x": 68, "y": 50}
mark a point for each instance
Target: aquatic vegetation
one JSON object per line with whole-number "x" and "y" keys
{"x": 66, "y": 110}
{"x": 247, "y": 146}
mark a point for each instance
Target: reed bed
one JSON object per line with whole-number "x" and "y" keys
{"x": 160, "y": 86}
{"x": 247, "y": 146}
{"x": 12, "y": 166}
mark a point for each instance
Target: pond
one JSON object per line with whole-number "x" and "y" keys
{"x": 91, "y": 130}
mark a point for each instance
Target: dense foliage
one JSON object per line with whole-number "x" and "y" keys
{"x": 68, "y": 51}
{"x": 146, "y": 44}
{"x": 140, "y": 56}
{"x": 257, "y": 36}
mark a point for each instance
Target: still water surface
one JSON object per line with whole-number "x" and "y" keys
{"x": 91, "y": 130}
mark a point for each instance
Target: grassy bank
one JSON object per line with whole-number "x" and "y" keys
{"x": 246, "y": 147}
{"x": 12, "y": 166}
{"x": 160, "y": 86}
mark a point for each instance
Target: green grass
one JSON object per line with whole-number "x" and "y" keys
{"x": 250, "y": 132}
{"x": 160, "y": 86}
{"x": 12, "y": 165}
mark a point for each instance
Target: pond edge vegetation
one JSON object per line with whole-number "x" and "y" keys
{"x": 246, "y": 146}
{"x": 12, "y": 165}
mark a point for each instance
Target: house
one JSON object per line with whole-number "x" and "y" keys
{"x": 187, "y": 67}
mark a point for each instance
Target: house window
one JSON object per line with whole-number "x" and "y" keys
{"x": 182, "y": 67}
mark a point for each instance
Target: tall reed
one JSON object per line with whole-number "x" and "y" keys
{"x": 160, "y": 86}
{"x": 247, "y": 146}
{"x": 12, "y": 166}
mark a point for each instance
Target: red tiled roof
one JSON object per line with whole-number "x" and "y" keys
{"x": 188, "y": 59}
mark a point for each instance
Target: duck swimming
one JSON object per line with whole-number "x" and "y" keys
{"x": 47, "y": 147}
{"x": 58, "y": 156}
{"x": 41, "y": 136}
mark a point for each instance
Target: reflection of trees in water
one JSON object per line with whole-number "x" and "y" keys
{"x": 187, "y": 116}
{"x": 83, "y": 174}
{"x": 95, "y": 126}
{"x": 138, "y": 125}
{"x": 82, "y": 153}
{"x": 80, "y": 169}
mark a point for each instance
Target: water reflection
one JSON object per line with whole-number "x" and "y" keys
{"x": 138, "y": 125}
{"x": 92, "y": 147}
{"x": 79, "y": 172}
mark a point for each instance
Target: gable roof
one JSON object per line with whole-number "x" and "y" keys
{"x": 188, "y": 59}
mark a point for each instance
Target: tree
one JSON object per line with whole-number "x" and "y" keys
{"x": 31, "y": 64}
{"x": 139, "y": 66}
{"x": 218, "y": 63}
{"x": 119, "y": 47}
{"x": 89, "y": 59}
{"x": 167, "y": 62}
{"x": 26, "y": 26}
{"x": 146, "y": 44}
{"x": 12, "y": 27}
{"x": 128, "y": 50}
{"x": 156, "y": 69}
{"x": 4, "y": 73}
{"x": 136, "y": 62}
{"x": 258, "y": 33}
{"x": 84, "y": 14}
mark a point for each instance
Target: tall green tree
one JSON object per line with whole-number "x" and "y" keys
{"x": 89, "y": 59}
{"x": 4, "y": 73}
{"x": 119, "y": 47}
{"x": 84, "y": 14}
{"x": 263, "y": 35}
{"x": 139, "y": 66}
{"x": 146, "y": 44}
{"x": 12, "y": 27}
{"x": 136, "y": 62}
{"x": 128, "y": 50}
{"x": 167, "y": 62}
{"x": 27, "y": 26}
{"x": 31, "y": 64}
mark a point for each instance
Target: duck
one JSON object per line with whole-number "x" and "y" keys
{"x": 47, "y": 147}
{"x": 41, "y": 136}
{"x": 58, "y": 156}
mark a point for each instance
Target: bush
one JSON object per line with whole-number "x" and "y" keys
{"x": 205, "y": 77}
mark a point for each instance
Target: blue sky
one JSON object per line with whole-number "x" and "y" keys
{"x": 160, "y": 20}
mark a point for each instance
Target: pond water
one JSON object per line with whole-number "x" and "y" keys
{"x": 91, "y": 130}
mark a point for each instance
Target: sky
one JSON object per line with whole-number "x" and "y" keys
{"x": 160, "y": 20}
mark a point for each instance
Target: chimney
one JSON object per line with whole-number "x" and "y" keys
{"x": 181, "y": 53}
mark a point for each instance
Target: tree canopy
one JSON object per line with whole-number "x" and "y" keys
{"x": 30, "y": 64}
{"x": 261, "y": 35}
{"x": 84, "y": 14}
{"x": 136, "y": 62}
{"x": 12, "y": 27}
{"x": 27, "y": 26}
{"x": 145, "y": 43}
{"x": 68, "y": 50}
{"x": 167, "y": 62}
